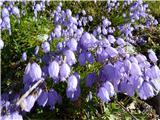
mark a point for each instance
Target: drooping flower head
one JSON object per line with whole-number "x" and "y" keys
{"x": 46, "y": 47}
{"x": 103, "y": 94}
{"x": 82, "y": 58}
{"x": 146, "y": 91}
{"x": 24, "y": 56}
{"x": 87, "y": 41}
{"x": 72, "y": 83}
{"x": 89, "y": 57}
{"x": 53, "y": 98}
{"x": 35, "y": 72}
{"x": 53, "y": 70}
{"x": 152, "y": 56}
{"x": 32, "y": 73}
{"x": 70, "y": 57}
{"x": 43, "y": 99}
{"x": 64, "y": 71}
{"x": 72, "y": 44}
{"x": 108, "y": 85}
{"x": 90, "y": 79}
{"x": 5, "y": 12}
{"x": 12, "y": 116}
{"x": 15, "y": 11}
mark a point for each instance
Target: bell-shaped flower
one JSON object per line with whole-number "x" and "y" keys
{"x": 108, "y": 85}
{"x": 53, "y": 98}
{"x": 89, "y": 57}
{"x": 71, "y": 32}
{"x": 72, "y": 44}
{"x": 83, "y": 12}
{"x": 101, "y": 54}
{"x": 105, "y": 43}
{"x": 73, "y": 20}
{"x": 6, "y": 117}
{"x": 74, "y": 27}
{"x": 72, "y": 83}
{"x": 58, "y": 8}
{"x": 103, "y": 94}
{"x": 68, "y": 12}
{"x": 120, "y": 42}
{"x": 43, "y": 99}
{"x": 70, "y": 57}
{"x": 111, "y": 39}
{"x": 5, "y": 12}
{"x": 27, "y": 77}
{"x": 78, "y": 32}
{"x": 12, "y": 116}
{"x": 53, "y": 70}
{"x": 112, "y": 52}
{"x": 24, "y": 56}
{"x": 148, "y": 72}
{"x": 133, "y": 59}
{"x": 73, "y": 95}
{"x": 110, "y": 73}
{"x": 120, "y": 66}
{"x": 60, "y": 4}
{"x": 16, "y": 116}
{"x": 152, "y": 56}
{"x": 77, "y": 76}
{"x": 145, "y": 65}
{"x": 90, "y": 79}
{"x": 32, "y": 73}
{"x": 98, "y": 29}
{"x": 87, "y": 41}
{"x": 46, "y": 47}
{"x": 122, "y": 86}
{"x": 137, "y": 82}
{"x": 47, "y": 58}
{"x": 104, "y": 31}
{"x": 141, "y": 58}
{"x": 57, "y": 31}
{"x": 38, "y": 7}
{"x": 146, "y": 91}
{"x": 82, "y": 58}
{"x": 135, "y": 69}
{"x": 155, "y": 72}
{"x": 15, "y": 11}
{"x": 130, "y": 89}
{"x": 90, "y": 18}
{"x": 35, "y": 72}
{"x": 73, "y": 90}
{"x": 59, "y": 46}
{"x": 107, "y": 72}
{"x": 6, "y": 21}
{"x": 64, "y": 71}
{"x": 106, "y": 22}
{"x": 94, "y": 41}
{"x": 121, "y": 51}
{"x": 127, "y": 65}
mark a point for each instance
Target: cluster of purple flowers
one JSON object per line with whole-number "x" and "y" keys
{"x": 6, "y": 12}
{"x": 122, "y": 71}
